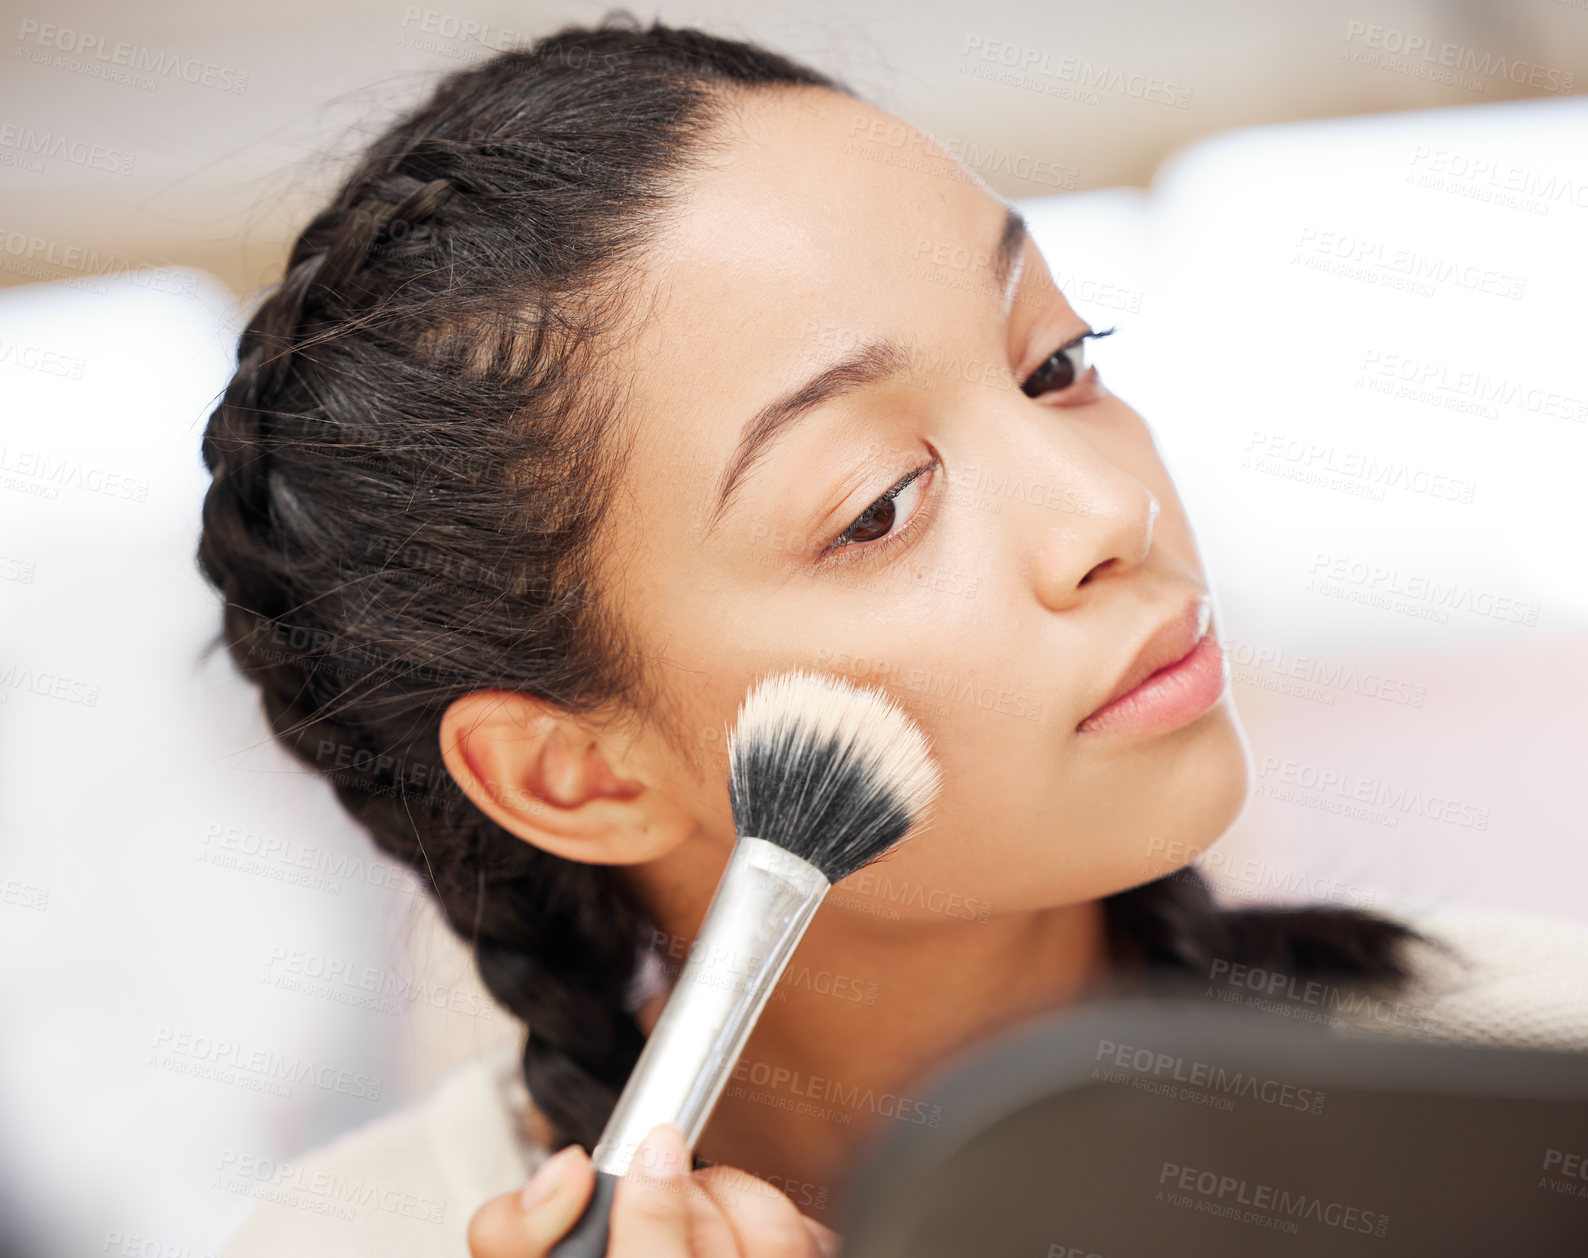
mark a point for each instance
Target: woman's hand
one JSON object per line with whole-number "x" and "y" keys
{"x": 660, "y": 1210}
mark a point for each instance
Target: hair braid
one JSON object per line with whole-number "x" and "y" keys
{"x": 1175, "y": 924}
{"x": 407, "y": 467}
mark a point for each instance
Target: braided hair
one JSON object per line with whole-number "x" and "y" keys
{"x": 406, "y": 471}
{"x": 408, "y": 465}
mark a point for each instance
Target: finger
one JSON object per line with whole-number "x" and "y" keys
{"x": 650, "y": 1207}
{"x": 828, "y": 1242}
{"x": 710, "y": 1233}
{"x": 764, "y": 1221}
{"x": 527, "y": 1223}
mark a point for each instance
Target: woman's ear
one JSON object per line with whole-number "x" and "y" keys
{"x": 539, "y": 774}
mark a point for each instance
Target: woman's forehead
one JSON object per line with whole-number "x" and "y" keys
{"x": 792, "y": 243}
{"x": 795, "y": 236}
{"x": 800, "y": 186}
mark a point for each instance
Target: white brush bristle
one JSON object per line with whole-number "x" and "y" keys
{"x": 834, "y": 772}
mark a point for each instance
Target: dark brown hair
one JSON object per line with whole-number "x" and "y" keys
{"x": 409, "y": 465}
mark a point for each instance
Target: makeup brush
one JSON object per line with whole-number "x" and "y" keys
{"x": 824, "y": 777}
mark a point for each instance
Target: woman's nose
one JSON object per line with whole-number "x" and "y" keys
{"x": 1103, "y": 526}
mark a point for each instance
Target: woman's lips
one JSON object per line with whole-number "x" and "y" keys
{"x": 1171, "y": 697}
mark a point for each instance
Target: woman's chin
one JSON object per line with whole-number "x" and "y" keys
{"x": 1195, "y": 803}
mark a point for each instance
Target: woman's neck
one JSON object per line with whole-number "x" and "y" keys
{"x": 866, "y": 1008}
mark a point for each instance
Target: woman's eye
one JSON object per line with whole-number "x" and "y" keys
{"x": 1062, "y": 368}
{"x": 902, "y": 502}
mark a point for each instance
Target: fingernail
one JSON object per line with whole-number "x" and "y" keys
{"x": 546, "y": 1182}
{"x": 663, "y": 1153}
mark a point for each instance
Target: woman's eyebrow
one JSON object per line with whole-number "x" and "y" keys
{"x": 1009, "y": 255}
{"x": 871, "y": 363}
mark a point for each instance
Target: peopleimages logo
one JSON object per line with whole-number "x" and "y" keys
{"x": 1127, "y": 1060}
{"x": 851, "y": 1098}
{"x": 1311, "y": 1000}
{"x": 1264, "y": 1204}
{"x": 33, "y": 148}
{"x": 1565, "y": 1173}
{"x": 1464, "y": 388}
{"x": 50, "y": 475}
{"x": 1410, "y": 52}
{"x": 741, "y": 965}
{"x": 137, "y": 65}
{"x": 1283, "y": 778}
{"x": 1375, "y": 584}
{"x": 321, "y": 1191}
{"x": 1022, "y": 65}
{"x": 1400, "y": 266}
{"x": 1300, "y": 458}
{"x": 254, "y": 1068}
{"x": 1315, "y": 671}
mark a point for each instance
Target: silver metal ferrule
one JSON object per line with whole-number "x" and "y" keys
{"x": 754, "y": 922}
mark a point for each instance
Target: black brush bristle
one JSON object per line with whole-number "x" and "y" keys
{"x": 833, "y": 772}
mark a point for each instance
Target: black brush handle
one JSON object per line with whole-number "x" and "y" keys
{"x": 588, "y": 1237}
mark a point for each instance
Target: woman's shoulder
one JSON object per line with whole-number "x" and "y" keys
{"x": 407, "y": 1183}
{"x": 1491, "y": 976}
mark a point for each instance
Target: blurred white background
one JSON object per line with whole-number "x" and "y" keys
{"x": 1358, "y": 339}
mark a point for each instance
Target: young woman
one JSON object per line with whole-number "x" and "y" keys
{"x": 625, "y": 370}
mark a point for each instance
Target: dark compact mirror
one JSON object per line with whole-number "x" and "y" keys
{"x": 1175, "y": 1127}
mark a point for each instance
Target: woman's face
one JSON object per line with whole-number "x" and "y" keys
{"x": 1000, "y": 596}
